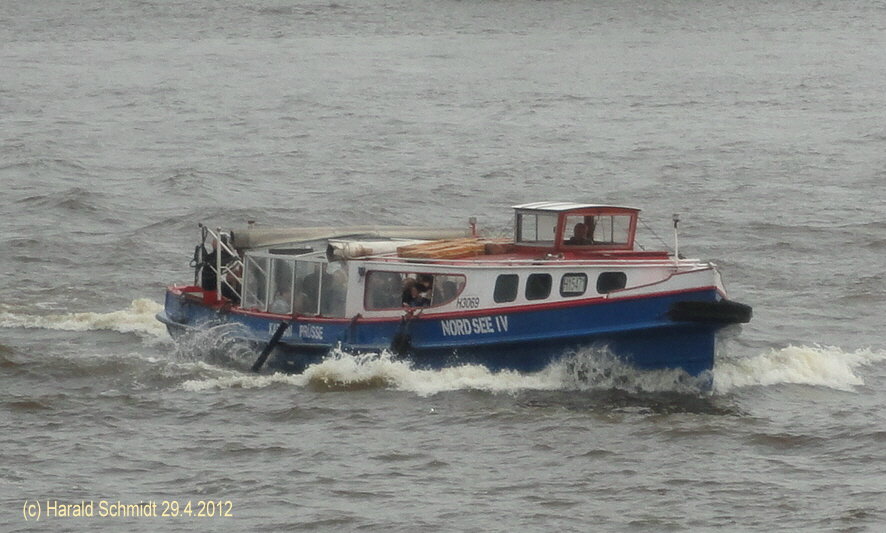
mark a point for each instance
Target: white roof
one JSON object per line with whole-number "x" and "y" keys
{"x": 565, "y": 206}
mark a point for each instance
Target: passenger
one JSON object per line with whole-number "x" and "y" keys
{"x": 310, "y": 289}
{"x": 417, "y": 298}
{"x": 335, "y": 286}
{"x": 301, "y": 303}
{"x": 406, "y": 293}
{"x": 281, "y": 303}
{"x": 208, "y": 274}
{"x": 448, "y": 292}
{"x": 425, "y": 282}
{"x": 579, "y": 235}
{"x": 413, "y": 295}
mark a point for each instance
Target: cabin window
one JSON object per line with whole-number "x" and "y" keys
{"x": 611, "y": 281}
{"x": 333, "y": 289}
{"x": 393, "y": 290}
{"x": 506, "y": 288}
{"x": 383, "y": 290}
{"x": 307, "y": 287}
{"x": 573, "y": 284}
{"x": 255, "y": 281}
{"x": 538, "y": 286}
{"x": 282, "y": 277}
{"x": 538, "y": 228}
{"x": 446, "y": 288}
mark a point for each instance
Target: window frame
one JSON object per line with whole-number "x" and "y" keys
{"x": 622, "y": 283}
{"x": 529, "y": 284}
{"x": 516, "y": 290}
{"x": 404, "y": 275}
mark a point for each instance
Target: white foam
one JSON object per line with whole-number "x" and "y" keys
{"x": 349, "y": 371}
{"x": 343, "y": 371}
{"x": 825, "y": 366}
{"x": 240, "y": 380}
{"x": 138, "y": 318}
{"x": 584, "y": 370}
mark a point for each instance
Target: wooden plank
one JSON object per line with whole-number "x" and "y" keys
{"x": 443, "y": 249}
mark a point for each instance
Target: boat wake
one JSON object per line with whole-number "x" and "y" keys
{"x": 138, "y": 319}
{"x": 823, "y": 366}
{"x": 583, "y": 371}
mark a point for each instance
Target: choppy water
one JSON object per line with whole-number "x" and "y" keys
{"x": 124, "y": 123}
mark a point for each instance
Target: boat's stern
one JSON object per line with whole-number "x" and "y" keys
{"x": 177, "y": 313}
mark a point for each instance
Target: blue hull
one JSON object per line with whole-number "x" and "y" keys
{"x": 639, "y": 331}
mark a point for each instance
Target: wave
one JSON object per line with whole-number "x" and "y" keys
{"x": 138, "y": 318}
{"x": 824, "y": 366}
{"x": 583, "y": 371}
{"x": 342, "y": 371}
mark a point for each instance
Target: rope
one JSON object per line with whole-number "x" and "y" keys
{"x": 647, "y": 226}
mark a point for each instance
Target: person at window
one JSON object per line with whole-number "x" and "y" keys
{"x": 579, "y": 234}
{"x": 425, "y": 283}
{"x": 413, "y": 295}
{"x": 416, "y": 298}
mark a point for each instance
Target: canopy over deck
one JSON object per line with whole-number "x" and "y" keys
{"x": 259, "y": 237}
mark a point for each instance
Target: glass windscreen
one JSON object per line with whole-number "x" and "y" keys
{"x": 538, "y": 228}
{"x": 582, "y": 230}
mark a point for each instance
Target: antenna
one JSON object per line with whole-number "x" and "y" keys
{"x": 676, "y": 219}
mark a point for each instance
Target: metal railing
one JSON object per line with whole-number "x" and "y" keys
{"x": 228, "y": 273}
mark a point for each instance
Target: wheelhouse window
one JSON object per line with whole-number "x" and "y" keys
{"x": 538, "y": 286}
{"x": 612, "y": 229}
{"x": 392, "y": 290}
{"x": 506, "y": 288}
{"x": 584, "y": 230}
{"x": 611, "y": 281}
{"x": 536, "y": 228}
{"x": 573, "y": 284}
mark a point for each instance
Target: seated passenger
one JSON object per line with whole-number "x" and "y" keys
{"x": 281, "y": 303}
{"x": 445, "y": 292}
{"x": 579, "y": 235}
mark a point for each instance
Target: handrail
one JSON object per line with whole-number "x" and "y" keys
{"x": 229, "y": 269}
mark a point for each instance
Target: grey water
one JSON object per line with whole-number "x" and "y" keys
{"x": 123, "y": 124}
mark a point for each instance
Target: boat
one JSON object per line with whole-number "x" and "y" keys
{"x": 572, "y": 276}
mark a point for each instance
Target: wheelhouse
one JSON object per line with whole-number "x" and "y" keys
{"x": 571, "y": 227}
